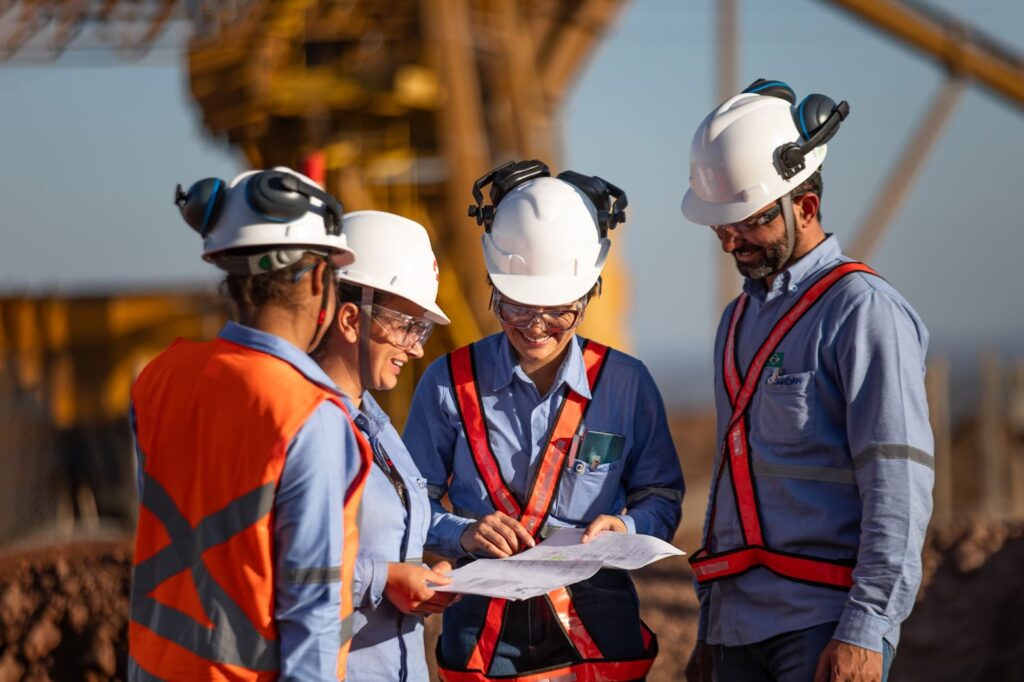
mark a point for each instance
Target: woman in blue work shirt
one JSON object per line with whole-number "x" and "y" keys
{"x": 536, "y": 428}
{"x": 386, "y": 310}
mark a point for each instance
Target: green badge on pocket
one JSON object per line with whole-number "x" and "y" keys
{"x": 775, "y": 359}
{"x": 600, "y": 448}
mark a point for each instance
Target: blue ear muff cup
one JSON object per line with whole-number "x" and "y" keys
{"x": 772, "y": 89}
{"x": 268, "y": 194}
{"x": 203, "y": 203}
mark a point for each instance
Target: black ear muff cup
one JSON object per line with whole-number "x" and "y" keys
{"x": 276, "y": 196}
{"x": 201, "y": 205}
{"x": 763, "y": 86}
{"x": 814, "y": 111}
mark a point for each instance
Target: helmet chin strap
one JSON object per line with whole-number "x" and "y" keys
{"x": 321, "y": 318}
{"x": 787, "y": 215}
{"x": 365, "y": 320}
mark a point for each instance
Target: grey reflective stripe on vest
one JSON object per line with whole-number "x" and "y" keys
{"x": 893, "y": 452}
{"x": 313, "y": 576}
{"x": 233, "y": 639}
{"x": 348, "y": 625}
{"x": 137, "y": 674}
{"x": 640, "y": 493}
{"x": 805, "y": 473}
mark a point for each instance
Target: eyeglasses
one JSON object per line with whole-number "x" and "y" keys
{"x": 751, "y": 223}
{"x": 404, "y": 332}
{"x": 555, "y": 320}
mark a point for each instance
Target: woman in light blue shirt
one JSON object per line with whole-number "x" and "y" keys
{"x": 386, "y": 311}
{"x": 536, "y": 428}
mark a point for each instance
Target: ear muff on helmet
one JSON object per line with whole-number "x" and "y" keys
{"x": 502, "y": 180}
{"x": 200, "y": 206}
{"x": 281, "y": 197}
{"x": 609, "y": 200}
{"x": 817, "y": 117}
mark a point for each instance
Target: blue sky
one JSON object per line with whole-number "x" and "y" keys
{"x": 90, "y": 156}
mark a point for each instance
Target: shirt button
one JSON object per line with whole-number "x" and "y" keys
{"x": 792, "y": 288}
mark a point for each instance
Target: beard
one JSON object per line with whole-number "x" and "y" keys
{"x": 774, "y": 257}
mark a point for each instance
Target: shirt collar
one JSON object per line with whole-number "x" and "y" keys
{"x": 792, "y": 278}
{"x": 279, "y": 348}
{"x": 572, "y": 372}
{"x": 369, "y": 416}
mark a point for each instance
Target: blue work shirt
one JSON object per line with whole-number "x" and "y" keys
{"x": 842, "y": 456}
{"x": 645, "y": 481}
{"x": 320, "y": 464}
{"x": 388, "y": 644}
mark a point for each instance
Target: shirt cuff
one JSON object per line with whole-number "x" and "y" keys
{"x": 447, "y": 533}
{"x": 630, "y": 523}
{"x": 862, "y": 629}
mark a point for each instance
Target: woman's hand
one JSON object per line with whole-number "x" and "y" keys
{"x": 496, "y": 534}
{"x": 601, "y": 524}
{"x": 407, "y": 588}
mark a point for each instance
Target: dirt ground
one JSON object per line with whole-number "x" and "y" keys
{"x": 63, "y": 610}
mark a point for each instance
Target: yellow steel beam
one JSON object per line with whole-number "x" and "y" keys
{"x": 573, "y": 40}
{"x": 954, "y": 44}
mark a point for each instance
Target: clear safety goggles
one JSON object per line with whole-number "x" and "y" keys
{"x": 555, "y": 320}
{"x": 751, "y": 223}
{"x": 404, "y": 332}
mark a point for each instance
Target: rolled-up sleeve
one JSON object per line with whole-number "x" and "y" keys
{"x": 430, "y": 438}
{"x": 653, "y": 478}
{"x": 308, "y": 537}
{"x": 881, "y": 357}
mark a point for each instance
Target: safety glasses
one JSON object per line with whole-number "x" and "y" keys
{"x": 404, "y": 332}
{"x": 751, "y": 223}
{"x": 555, "y": 320}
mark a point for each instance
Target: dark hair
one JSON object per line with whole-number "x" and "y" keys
{"x": 814, "y": 184}
{"x": 248, "y": 292}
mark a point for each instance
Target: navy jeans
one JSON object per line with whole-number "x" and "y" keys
{"x": 789, "y": 657}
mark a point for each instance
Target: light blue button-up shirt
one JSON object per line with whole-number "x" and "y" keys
{"x": 388, "y": 644}
{"x": 841, "y": 450}
{"x": 320, "y": 464}
{"x": 644, "y": 486}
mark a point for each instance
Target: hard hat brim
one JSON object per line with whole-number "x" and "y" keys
{"x": 544, "y": 290}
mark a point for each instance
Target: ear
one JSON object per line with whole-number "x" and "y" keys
{"x": 347, "y": 321}
{"x": 317, "y": 279}
{"x": 806, "y": 208}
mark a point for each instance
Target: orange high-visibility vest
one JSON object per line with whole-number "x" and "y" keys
{"x": 213, "y": 424}
{"x": 591, "y": 664}
{"x": 709, "y": 566}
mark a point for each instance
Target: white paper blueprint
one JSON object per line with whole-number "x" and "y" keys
{"x": 558, "y": 561}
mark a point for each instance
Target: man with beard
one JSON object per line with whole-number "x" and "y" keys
{"x": 821, "y": 491}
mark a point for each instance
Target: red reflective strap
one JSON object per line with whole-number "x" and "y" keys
{"x": 581, "y": 640}
{"x": 731, "y": 374}
{"x": 782, "y": 327}
{"x": 798, "y": 568}
{"x": 483, "y": 653}
{"x": 569, "y": 417}
{"x": 743, "y": 484}
{"x": 596, "y": 671}
{"x": 467, "y": 396}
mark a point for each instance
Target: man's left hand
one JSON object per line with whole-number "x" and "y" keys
{"x": 603, "y": 523}
{"x": 844, "y": 662}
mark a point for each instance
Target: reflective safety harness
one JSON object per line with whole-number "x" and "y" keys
{"x": 202, "y": 604}
{"x": 710, "y": 566}
{"x": 592, "y": 665}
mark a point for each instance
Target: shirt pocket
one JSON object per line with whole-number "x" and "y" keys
{"x": 785, "y": 413}
{"x": 585, "y": 493}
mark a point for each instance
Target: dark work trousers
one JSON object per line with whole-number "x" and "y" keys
{"x": 789, "y": 657}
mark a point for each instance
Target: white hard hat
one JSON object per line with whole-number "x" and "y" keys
{"x": 279, "y": 209}
{"x": 739, "y": 155}
{"x": 545, "y": 246}
{"x": 395, "y": 257}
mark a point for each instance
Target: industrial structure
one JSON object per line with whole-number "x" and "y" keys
{"x": 392, "y": 104}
